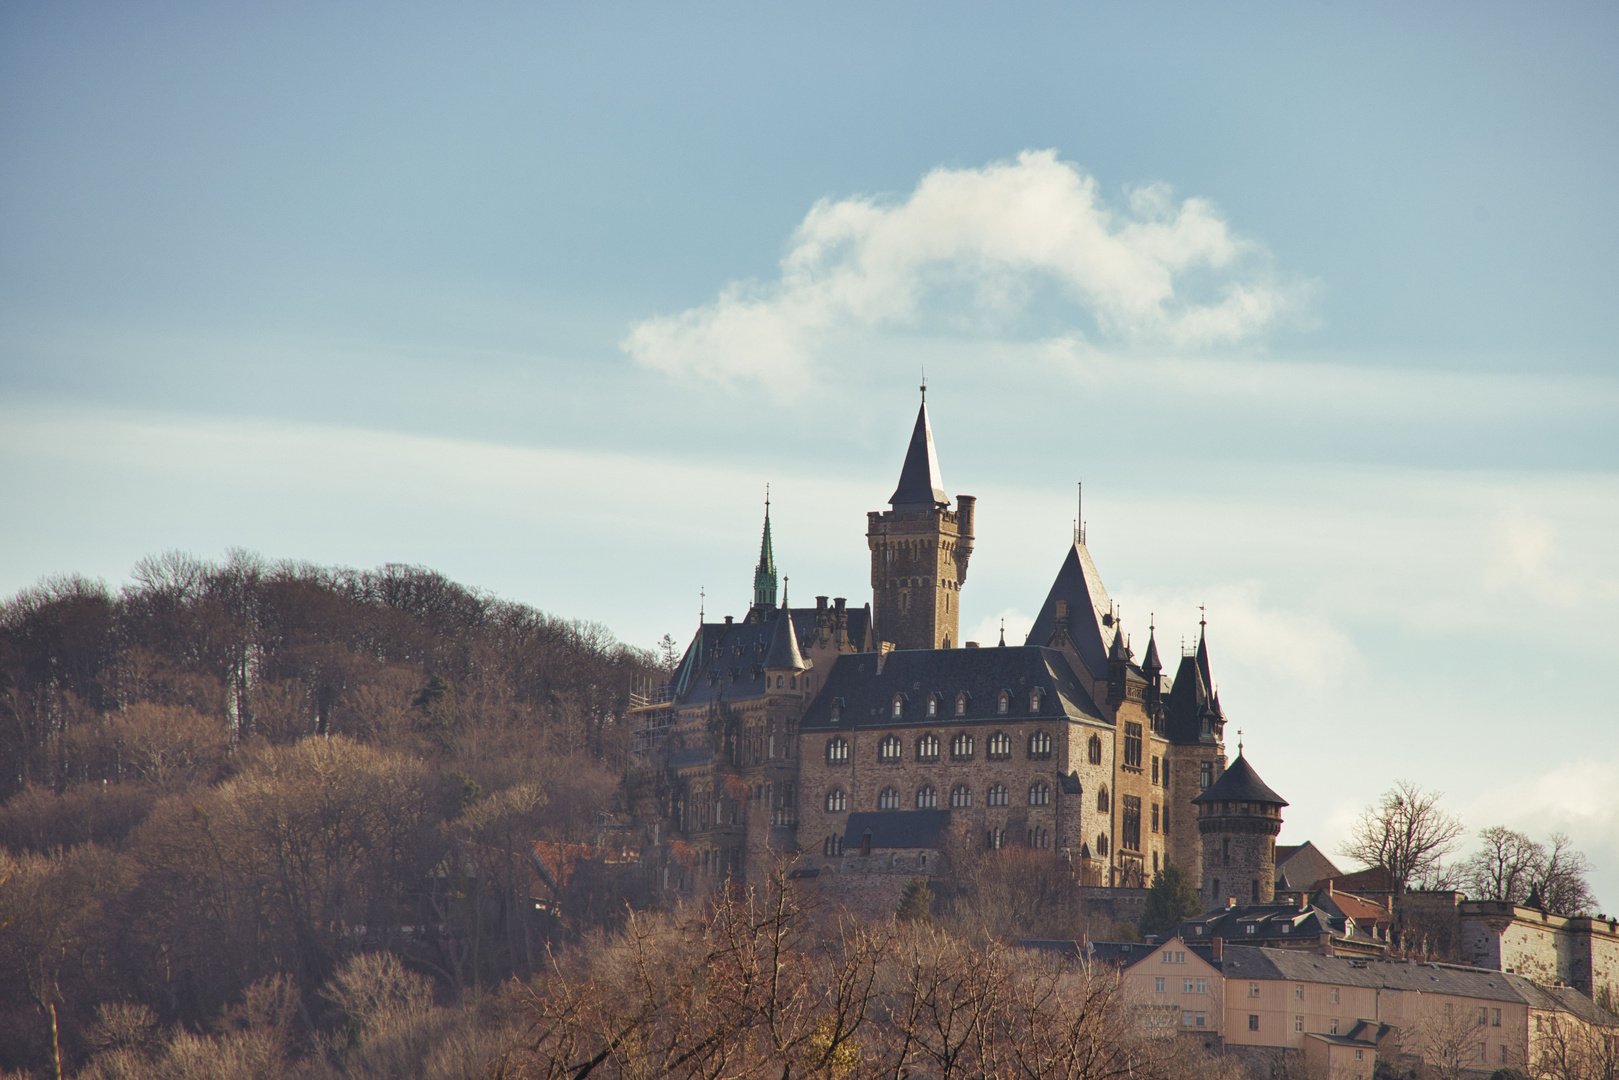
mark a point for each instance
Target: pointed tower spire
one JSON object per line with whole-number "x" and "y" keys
{"x": 919, "y": 480}
{"x": 784, "y": 654}
{"x": 1003, "y": 633}
{"x": 1203, "y": 649}
{"x": 764, "y": 576}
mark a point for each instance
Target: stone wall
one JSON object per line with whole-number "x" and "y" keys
{"x": 1578, "y": 951}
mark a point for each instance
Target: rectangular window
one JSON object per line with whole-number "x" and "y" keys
{"x": 1132, "y": 745}
{"x": 1298, "y": 992}
{"x": 1495, "y": 1018}
{"x": 1360, "y": 1055}
{"x": 1253, "y": 989}
{"x": 1188, "y": 1018}
{"x": 1202, "y": 1019}
{"x": 1298, "y": 1023}
{"x": 1202, "y": 986}
{"x": 1180, "y": 958}
{"x": 1169, "y": 957}
{"x": 1187, "y": 986}
{"x": 1333, "y": 1030}
{"x": 1483, "y": 1016}
{"x": 1335, "y": 995}
{"x": 1155, "y": 768}
{"x": 1253, "y": 1022}
{"x": 1154, "y": 817}
{"x": 1158, "y": 986}
{"x": 1132, "y": 823}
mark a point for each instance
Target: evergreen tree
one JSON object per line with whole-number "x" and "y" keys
{"x": 1170, "y": 900}
{"x": 916, "y": 905}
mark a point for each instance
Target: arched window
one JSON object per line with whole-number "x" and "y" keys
{"x": 1102, "y": 803}
{"x": 999, "y": 746}
{"x": 927, "y": 748}
{"x": 961, "y": 796}
{"x": 1040, "y": 746}
{"x": 1101, "y": 844}
{"x": 1093, "y": 750}
{"x": 1034, "y": 700}
{"x": 891, "y": 749}
{"x": 833, "y": 846}
{"x": 961, "y": 704}
{"x": 1004, "y": 703}
{"x": 1039, "y": 793}
{"x": 994, "y": 839}
{"x": 837, "y": 750}
{"x": 1039, "y": 838}
{"x": 999, "y": 795}
{"x": 933, "y": 705}
{"x": 927, "y": 798}
{"x": 778, "y": 682}
{"x": 836, "y": 801}
{"x": 889, "y": 799}
{"x": 961, "y": 747}
{"x": 899, "y": 705}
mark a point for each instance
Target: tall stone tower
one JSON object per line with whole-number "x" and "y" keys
{"x": 1238, "y": 818}
{"x": 919, "y": 552}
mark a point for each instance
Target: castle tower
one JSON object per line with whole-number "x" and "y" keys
{"x": 764, "y": 575}
{"x": 919, "y": 552}
{"x": 1238, "y": 818}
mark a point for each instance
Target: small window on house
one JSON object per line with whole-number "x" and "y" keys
{"x": 1253, "y": 989}
{"x": 1332, "y": 1029}
{"x": 1101, "y": 844}
{"x": 836, "y": 801}
{"x": 837, "y": 750}
{"x": 999, "y": 795}
{"x": 927, "y": 798}
{"x": 1155, "y": 768}
{"x": 1495, "y": 1018}
{"x": 961, "y": 796}
{"x": 1154, "y": 817}
{"x": 1298, "y": 1023}
{"x": 995, "y": 839}
{"x": 889, "y": 799}
{"x": 1335, "y": 998}
{"x": 1251, "y": 929}
{"x": 1483, "y": 1016}
{"x": 1187, "y": 985}
{"x": 1158, "y": 984}
{"x": 1360, "y": 1055}
{"x": 1039, "y": 793}
{"x": 1253, "y": 1022}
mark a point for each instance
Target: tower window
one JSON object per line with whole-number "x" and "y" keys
{"x": 1132, "y": 746}
{"x": 1132, "y": 823}
{"x": 889, "y": 799}
{"x": 1103, "y": 803}
{"x": 1039, "y": 793}
{"x": 999, "y": 747}
{"x": 1155, "y": 768}
{"x": 961, "y": 747}
{"x": 836, "y": 801}
{"x": 1205, "y": 774}
{"x": 926, "y": 797}
{"x": 961, "y": 796}
{"x": 999, "y": 795}
{"x": 1154, "y": 817}
{"x": 891, "y": 749}
{"x": 927, "y": 748}
{"x": 837, "y": 750}
{"x": 1093, "y": 750}
{"x": 1040, "y": 746}
{"x": 1225, "y": 852}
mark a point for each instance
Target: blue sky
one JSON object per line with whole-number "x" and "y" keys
{"x": 1317, "y": 300}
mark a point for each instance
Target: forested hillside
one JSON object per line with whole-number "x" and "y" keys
{"x": 226, "y": 779}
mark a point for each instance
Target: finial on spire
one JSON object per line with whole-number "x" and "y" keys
{"x": 1003, "y": 631}
{"x": 1152, "y": 618}
{"x": 784, "y": 580}
{"x": 702, "y": 605}
{"x": 1202, "y": 616}
{"x": 924, "y": 384}
{"x": 1239, "y": 742}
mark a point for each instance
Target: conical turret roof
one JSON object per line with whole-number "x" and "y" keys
{"x": 1239, "y": 783}
{"x": 1150, "y": 662}
{"x": 919, "y": 479}
{"x": 784, "y": 652}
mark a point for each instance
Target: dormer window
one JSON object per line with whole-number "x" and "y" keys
{"x": 933, "y": 705}
{"x": 1004, "y": 704}
{"x": 1034, "y": 700}
{"x": 837, "y": 709}
{"x": 899, "y": 706}
{"x": 961, "y": 704}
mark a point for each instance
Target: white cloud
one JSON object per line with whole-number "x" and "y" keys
{"x": 974, "y": 244}
{"x": 988, "y": 631}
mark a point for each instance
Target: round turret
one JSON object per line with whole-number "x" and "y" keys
{"x": 1238, "y": 818}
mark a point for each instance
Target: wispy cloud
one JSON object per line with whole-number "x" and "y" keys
{"x": 978, "y": 245}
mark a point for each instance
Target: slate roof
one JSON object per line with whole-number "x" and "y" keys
{"x": 919, "y": 479}
{"x": 734, "y": 654}
{"x": 1372, "y": 881}
{"x": 1119, "y": 953}
{"x": 1191, "y": 696}
{"x": 783, "y": 652}
{"x": 897, "y": 828}
{"x": 858, "y": 696}
{"x": 1293, "y": 965}
{"x": 1300, "y": 866}
{"x": 1080, "y": 587}
{"x": 1278, "y": 923}
{"x": 1240, "y": 782}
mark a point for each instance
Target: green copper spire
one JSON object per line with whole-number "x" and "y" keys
{"x": 764, "y": 578}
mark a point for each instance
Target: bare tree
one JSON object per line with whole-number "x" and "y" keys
{"x": 1561, "y": 877}
{"x": 1510, "y": 866}
{"x": 1406, "y": 833}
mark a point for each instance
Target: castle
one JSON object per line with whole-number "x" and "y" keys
{"x": 867, "y": 740}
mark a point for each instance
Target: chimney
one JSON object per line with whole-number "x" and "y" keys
{"x": 972, "y": 644}
{"x": 1329, "y": 887}
{"x": 1304, "y": 901}
{"x": 728, "y": 620}
{"x": 1230, "y": 902}
{"x": 1219, "y": 949}
{"x": 839, "y": 603}
{"x": 820, "y": 603}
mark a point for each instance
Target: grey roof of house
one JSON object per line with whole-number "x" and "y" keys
{"x": 897, "y": 828}
{"x": 725, "y": 661}
{"x": 1296, "y": 965}
{"x": 1240, "y": 782}
{"x": 1300, "y": 866}
{"x": 860, "y": 697}
{"x": 1120, "y": 953}
{"x": 919, "y": 479}
{"x": 1565, "y": 998}
{"x": 1080, "y": 587}
{"x": 1269, "y": 922}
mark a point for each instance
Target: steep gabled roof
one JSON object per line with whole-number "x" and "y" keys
{"x": 1299, "y": 867}
{"x": 1080, "y": 587}
{"x": 1239, "y": 783}
{"x": 919, "y": 479}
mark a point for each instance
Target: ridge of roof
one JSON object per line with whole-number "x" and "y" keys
{"x": 1080, "y": 588}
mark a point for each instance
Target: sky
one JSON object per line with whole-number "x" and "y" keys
{"x": 1316, "y": 300}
